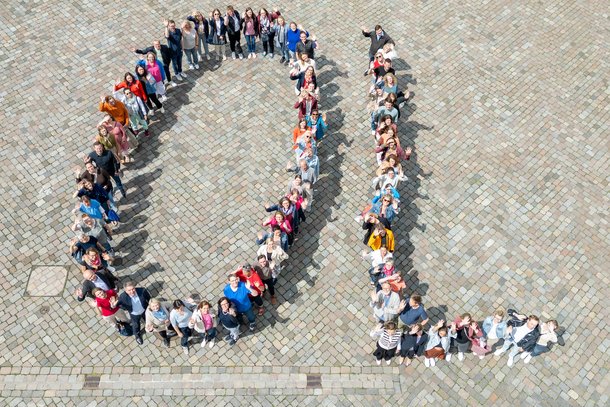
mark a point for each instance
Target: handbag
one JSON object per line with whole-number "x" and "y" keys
{"x": 113, "y": 216}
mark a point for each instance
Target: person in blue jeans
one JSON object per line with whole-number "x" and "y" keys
{"x": 237, "y": 292}
{"x": 548, "y": 335}
{"x": 174, "y": 42}
{"x": 179, "y": 318}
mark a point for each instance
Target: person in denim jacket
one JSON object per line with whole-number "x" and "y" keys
{"x": 494, "y": 327}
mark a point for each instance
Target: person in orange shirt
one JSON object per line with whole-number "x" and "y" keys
{"x": 299, "y": 131}
{"x": 115, "y": 109}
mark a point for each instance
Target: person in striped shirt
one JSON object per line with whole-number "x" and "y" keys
{"x": 388, "y": 343}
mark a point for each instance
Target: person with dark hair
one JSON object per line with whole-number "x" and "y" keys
{"x": 251, "y": 31}
{"x": 150, "y": 85}
{"x": 389, "y": 342}
{"x": 203, "y": 323}
{"x": 548, "y": 336}
{"x": 106, "y": 160}
{"x": 413, "y": 344}
{"x": 379, "y": 38}
{"x": 202, "y": 27}
{"x": 412, "y": 312}
{"x": 439, "y": 340}
{"x": 227, "y": 316}
{"x": 135, "y": 301}
{"x": 218, "y": 33}
{"x": 173, "y": 36}
{"x": 306, "y": 45}
{"x": 522, "y": 333}
{"x": 130, "y": 82}
{"x": 179, "y": 317}
{"x": 234, "y": 24}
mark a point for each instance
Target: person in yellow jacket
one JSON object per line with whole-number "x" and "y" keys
{"x": 381, "y": 236}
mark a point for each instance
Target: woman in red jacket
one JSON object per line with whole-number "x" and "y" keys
{"x": 134, "y": 85}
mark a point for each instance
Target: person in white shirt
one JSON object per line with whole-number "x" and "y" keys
{"x": 522, "y": 334}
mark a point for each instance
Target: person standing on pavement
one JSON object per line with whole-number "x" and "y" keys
{"x": 389, "y": 342}
{"x": 379, "y": 38}
{"x": 107, "y": 161}
{"x": 202, "y": 28}
{"x": 203, "y": 322}
{"x": 238, "y": 293}
{"x": 385, "y": 303}
{"x": 227, "y": 316}
{"x": 522, "y": 334}
{"x": 413, "y": 344}
{"x": 190, "y": 43}
{"x": 162, "y": 53}
{"x": 233, "y": 23}
{"x": 248, "y": 275}
{"x": 135, "y": 301}
{"x": 157, "y": 320}
{"x": 174, "y": 42}
{"x": 494, "y": 328}
{"x": 412, "y": 312}
{"x": 179, "y": 318}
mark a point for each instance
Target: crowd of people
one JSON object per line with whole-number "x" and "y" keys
{"x": 403, "y": 328}
{"x": 125, "y": 123}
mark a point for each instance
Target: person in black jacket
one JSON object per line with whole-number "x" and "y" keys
{"x": 378, "y": 39}
{"x": 413, "y": 344}
{"x": 135, "y": 301}
{"x": 166, "y": 56}
{"x": 107, "y": 161}
{"x": 234, "y": 24}
{"x": 522, "y": 333}
{"x": 101, "y": 279}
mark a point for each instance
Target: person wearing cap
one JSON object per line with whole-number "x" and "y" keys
{"x": 247, "y": 274}
{"x": 317, "y": 123}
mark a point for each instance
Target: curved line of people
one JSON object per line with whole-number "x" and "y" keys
{"x": 127, "y": 113}
{"x": 401, "y": 319}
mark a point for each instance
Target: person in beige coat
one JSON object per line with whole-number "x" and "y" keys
{"x": 157, "y": 320}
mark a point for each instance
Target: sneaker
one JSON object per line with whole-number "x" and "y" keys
{"x": 191, "y": 66}
{"x": 166, "y": 342}
{"x": 271, "y": 55}
{"x": 183, "y": 75}
{"x": 211, "y": 343}
{"x": 427, "y": 362}
{"x": 254, "y": 55}
{"x": 366, "y": 73}
{"x": 163, "y": 98}
{"x": 177, "y": 77}
{"x": 224, "y": 58}
{"x": 249, "y": 55}
{"x": 528, "y": 358}
{"x": 273, "y": 300}
{"x": 524, "y": 355}
{"x": 378, "y": 362}
{"x": 264, "y": 53}
{"x": 241, "y": 56}
{"x": 261, "y": 311}
{"x": 162, "y": 110}
{"x": 408, "y": 362}
{"x": 232, "y": 342}
{"x": 401, "y": 360}
{"x": 146, "y": 133}
{"x": 387, "y": 362}
{"x": 203, "y": 343}
{"x": 499, "y": 352}
{"x": 207, "y": 57}
{"x": 448, "y": 357}
{"x": 373, "y": 132}
{"x": 460, "y": 356}
{"x": 432, "y": 362}
{"x": 185, "y": 349}
{"x": 252, "y": 327}
{"x": 481, "y": 357}
{"x": 282, "y": 60}
{"x": 510, "y": 361}
{"x": 196, "y": 66}
{"x": 233, "y": 55}
{"x": 151, "y": 112}
{"x": 227, "y": 338}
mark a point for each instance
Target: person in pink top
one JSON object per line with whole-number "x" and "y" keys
{"x": 203, "y": 322}
{"x": 155, "y": 68}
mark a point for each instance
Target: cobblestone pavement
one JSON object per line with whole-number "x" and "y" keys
{"x": 506, "y": 204}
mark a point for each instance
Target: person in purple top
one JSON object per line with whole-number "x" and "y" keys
{"x": 237, "y": 292}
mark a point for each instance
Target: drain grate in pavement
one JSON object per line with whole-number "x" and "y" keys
{"x": 91, "y": 382}
{"x": 314, "y": 381}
